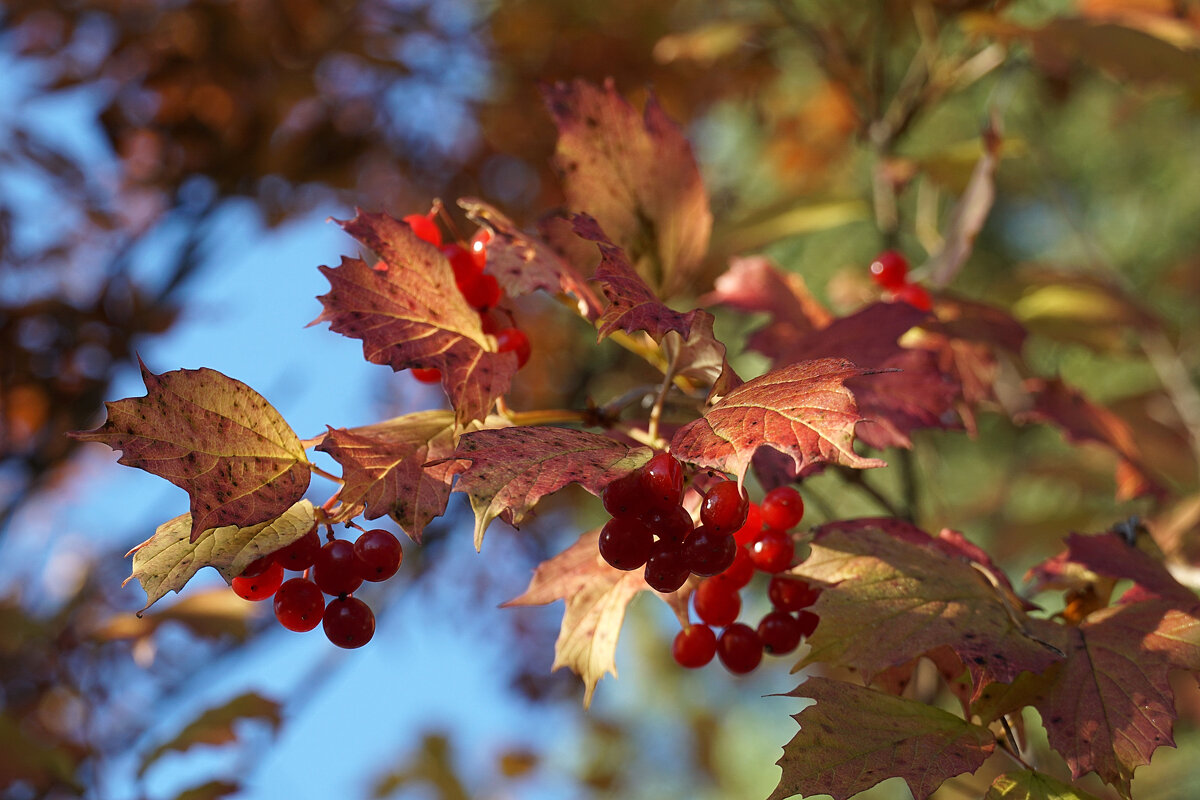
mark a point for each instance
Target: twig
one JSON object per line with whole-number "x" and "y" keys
{"x": 855, "y": 478}
{"x": 657, "y": 409}
{"x": 326, "y": 475}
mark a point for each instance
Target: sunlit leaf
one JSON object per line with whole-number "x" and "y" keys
{"x": 1030, "y": 785}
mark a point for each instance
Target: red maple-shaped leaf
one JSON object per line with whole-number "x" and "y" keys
{"x": 508, "y": 470}
{"x": 214, "y": 437}
{"x": 894, "y": 599}
{"x": 1110, "y": 555}
{"x": 383, "y": 468}
{"x": 636, "y": 174}
{"x": 411, "y": 314}
{"x": 596, "y": 596}
{"x": 802, "y": 410}
{"x": 854, "y": 738}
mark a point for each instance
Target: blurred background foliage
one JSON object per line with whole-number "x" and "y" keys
{"x": 826, "y": 131}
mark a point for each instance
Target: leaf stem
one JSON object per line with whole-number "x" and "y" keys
{"x": 329, "y": 476}
{"x": 1011, "y": 749}
{"x": 656, "y": 410}
{"x": 855, "y": 478}
{"x": 547, "y": 416}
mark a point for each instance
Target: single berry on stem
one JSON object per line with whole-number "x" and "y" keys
{"x": 662, "y": 481}
{"x": 425, "y": 228}
{"x": 666, "y": 570}
{"x": 299, "y": 605}
{"x": 716, "y": 603}
{"x": 782, "y": 508}
{"x": 378, "y": 555}
{"x": 623, "y": 497}
{"x": 725, "y": 507}
{"x": 790, "y": 594}
{"x": 625, "y": 542}
{"x": 739, "y": 648}
{"x": 694, "y": 646}
{"x": 336, "y": 568}
{"x": 261, "y": 586}
{"x": 514, "y": 340}
{"x": 708, "y": 551}
{"x": 890, "y": 269}
{"x": 780, "y": 632}
{"x": 300, "y": 554}
{"x": 348, "y": 622}
{"x": 772, "y": 551}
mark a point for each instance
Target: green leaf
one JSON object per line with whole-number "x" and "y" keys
{"x": 216, "y": 726}
{"x": 1030, "y": 785}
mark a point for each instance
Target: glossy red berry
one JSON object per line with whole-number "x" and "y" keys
{"x": 432, "y": 375}
{"x": 694, "y": 646}
{"x": 378, "y": 555}
{"x": 462, "y": 262}
{"x": 673, "y": 523}
{"x": 479, "y": 243}
{"x": 514, "y": 340}
{"x": 772, "y": 551}
{"x": 752, "y": 527}
{"x": 740, "y": 572}
{"x": 624, "y": 497}
{"x": 889, "y": 269}
{"x": 336, "y": 568}
{"x": 716, "y": 603}
{"x": 481, "y": 292}
{"x": 780, "y": 632}
{"x": 299, "y": 605}
{"x": 709, "y": 552}
{"x": 808, "y": 622}
{"x": 662, "y": 481}
{"x": 782, "y": 508}
{"x": 261, "y": 586}
{"x": 425, "y": 228}
{"x": 625, "y": 542}
{"x": 724, "y": 507}
{"x": 666, "y": 570}
{"x": 348, "y": 622}
{"x": 790, "y": 594}
{"x": 258, "y": 566}
{"x": 300, "y": 554}
{"x": 915, "y": 295}
{"x": 739, "y": 648}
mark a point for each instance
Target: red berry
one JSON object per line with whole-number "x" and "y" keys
{"x": 724, "y": 507}
{"x": 299, "y": 605}
{"x": 625, "y": 542}
{"x": 915, "y": 296}
{"x": 716, "y": 603}
{"x": 479, "y": 243}
{"x": 782, "y": 508}
{"x": 694, "y": 646}
{"x": 261, "y": 586}
{"x": 808, "y": 622}
{"x": 780, "y": 632}
{"x": 433, "y": 375}
{"x": 425, "y": 228}
{"x": 790, "y": 594}
{"x": 514, "y": 340}
{"x": 348, "y": 622}
{"x": 739, "y": 648}
{"x": 623, "y": 497}
{"x": 662, "y": 481}
{"x": 258, "y": 566}
{"x": 481, "y": 292}
{"x": 889, "y": 269}
{"x": 772, "y": 551}
{"x": 336, "y": 568}
{"x": 488, "y": 324}
{"x": 708, "y": 552}
{"x": 751, "y": 528}
{"x": 464, "y": 264}
{"x": 666, "y": 570}
{"x": 674, "y": 523}
{"x": 300, "y": 554}
{"x": 739, "y": 573}
{"x": 378, "y": 555}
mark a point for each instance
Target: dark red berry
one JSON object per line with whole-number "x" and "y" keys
{"x": 336, "y": 568}
{"x": 481, "y": 292}
{"x": 514, "y": 340}
{"x": 300, "y": 554}
{"x": 709, "y": 552}
{"x": 261, "y": 586}
{"x": 488, "y": 324}
{"x": 348, "y": 622}
{"x": 258, "y": 566}
{"x": 694, "y": 646}
{"x": 623, "y": 497}
{"x": 716, "y": 603}
{"x": 740, "y": 572}
{"x": 782, "y": 508}
{"x": 808, "y": 622}
{"x": 666, "y": 570}
{"x": 479, "y": 243}
{"x": 625, "y": 542}
{"x": 790, "y": 594}
{"x": 425, "y": 228}
{"x": 724, "y": 507}
{"x": 378, "y": 555}
{"x": 752, "y": 527}
{"x": 662, "y": 481}
{"x": 739, "y": 648}
{"x": 780, "y": 632}
{"x": 299, "y": 605}
{"x": 462, "y": 262}
{"x": 433, "y": 375}
{"x": 772, "y": 551}
{"x": 674, "y": 523}
{"x": 889, "y": 269}
{"x": 915, "y": 296}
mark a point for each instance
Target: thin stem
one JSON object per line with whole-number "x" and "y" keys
{"x": 1012, "y": 750}
{"x": 818, "y": 501}
{"x": 855, "y": 478}
{"x": 547, "y": 416}
{"x": 657, "y": 409}
{"x": 641, "y": 437}
{"x": 329, "y": 476}
{"x": 1177, "y": 383}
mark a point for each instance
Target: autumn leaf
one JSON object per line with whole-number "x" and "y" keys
{"x": 167, "y": 560}
{"x": 510, "y": 469}
{"x": 411, "y": 314}
{"x": 854, "y": 738}
{"x": 383, "y": 468}
{"x": 802, "y": 410}
{"x": 1109, "y": 555}
{"x": 216, "y": 726}
{"x": 636, "y": 175}
{"x": 596, "y": 596}
{"x": 969, "y": 213}
{"x": 893, "y": 600}
{"x": 214, "y": 437}
{"x": 1030, "y": 785}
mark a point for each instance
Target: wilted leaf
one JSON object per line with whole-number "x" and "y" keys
{"x": 411, "y": 314}
{"x": 168, "y": 559}
{"x": 216, "y": 726}
{"x": 213, "y": 436}
{"x": 636, "y": 175}
{"x": 596, "y": 596}
{"x": 802, "y": 410}
{"x": 1030, "y": 785}
{"x": 854, "y": 738}
{"x": 510, "y": 469}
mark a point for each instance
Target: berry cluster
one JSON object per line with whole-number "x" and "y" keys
{"x": 480, "y": 289}
{"x": 336, "y": 569}
{"x": 762, "y": 544}
{"x": 890, "y": 271}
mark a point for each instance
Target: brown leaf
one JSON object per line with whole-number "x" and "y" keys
{"x": 216, "y": 726}
{"x": 969, "y": 214}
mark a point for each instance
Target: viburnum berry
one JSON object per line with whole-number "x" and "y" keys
{"x": 709, "y": 552}
{"x": 336, "y": 568}
{"x": 299, "y": 605}
{"x": 752, "y": 527}
{"x": 662, "y": 481}
{"x": 915, "y": 295}
{"x": 261, "y": 586}
{"x": 478, "y": 246}
{"x": 488, "y": 323}
{"x": 808, "y": 622}
{"x": 716, "y": 603}
{"x": 725, "y": 507}
{"x": 427, "y": 375}
{"x": 481, "y": 292}
{"x": 673, "y": 523}
{"x": 739, "y": 573}
{"x": 739, "y": 648}
{"x": 258, "y": 566}
{"x": 772, "y": 551}
{"x": 624, "y": 497}
{"x": 425, "y": 228}
{"x": 514, "y": 340}
{"x": 348, "y": 622}
{"x": 782, "y": 508}
{"x": 780, "y": 632}
{"x": 625, "y": 542}
{"x": 378, "y": 555}
{"x": 465, "y": 266}
{"x": 790, "y": 594}
{"x": 300, "y": 554}
{"x": 666, "y": 570}
{"x": 890, "y": 269}
{"x": 694, "y": 646}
